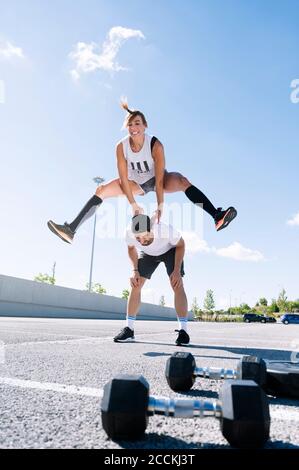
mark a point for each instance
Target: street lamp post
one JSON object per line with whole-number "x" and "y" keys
{"x": 98, "y": 180}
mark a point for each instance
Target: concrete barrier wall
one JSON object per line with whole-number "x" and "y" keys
{"x": 23, "y": 298}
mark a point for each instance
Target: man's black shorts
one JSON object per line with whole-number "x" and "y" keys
{"x": 147, "y": 264}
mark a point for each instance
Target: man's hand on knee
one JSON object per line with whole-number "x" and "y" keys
{"x": 176, "y": 280}
{"x": 135, "y": 280}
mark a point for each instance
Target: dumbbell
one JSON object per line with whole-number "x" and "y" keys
{"x": 242, "y": 409}
{"x": 181, "y": 371}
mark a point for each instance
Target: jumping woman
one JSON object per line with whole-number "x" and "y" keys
{"x": 141, "y": 169}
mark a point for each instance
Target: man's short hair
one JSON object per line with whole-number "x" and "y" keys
{"x": 141, "y": 223}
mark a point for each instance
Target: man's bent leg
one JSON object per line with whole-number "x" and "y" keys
{"x": 181, "y": 306}
{"x": 134, "y": 303}
{"x": 127, "y": 333}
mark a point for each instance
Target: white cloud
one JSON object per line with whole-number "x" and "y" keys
{"x": 294, "y": 220}
{"x": 8, "y": 51}
{"x": 194, "y": 243}
{"x": 75, "y": 75}
{"x": 87, "y": 58}
{"x": 238, "y": 252}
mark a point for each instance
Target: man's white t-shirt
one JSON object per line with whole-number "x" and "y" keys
{"x": 165, "y": 238}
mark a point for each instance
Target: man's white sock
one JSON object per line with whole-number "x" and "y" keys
{"x": 130, "y": 321}
{"x": 183, "y": 322}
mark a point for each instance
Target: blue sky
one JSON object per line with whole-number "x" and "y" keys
{"x": 214, "y": 81}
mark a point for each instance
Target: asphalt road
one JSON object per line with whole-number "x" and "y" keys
{"x": 52, "y": 372}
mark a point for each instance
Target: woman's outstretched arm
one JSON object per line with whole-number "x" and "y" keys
{"x": 123, "y": 175}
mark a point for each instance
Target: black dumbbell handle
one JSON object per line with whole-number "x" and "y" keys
{"x": 183, "y": 408}
{"x": 215, "y": 373}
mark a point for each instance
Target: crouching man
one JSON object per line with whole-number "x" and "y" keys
{"x": 157, "y": 243}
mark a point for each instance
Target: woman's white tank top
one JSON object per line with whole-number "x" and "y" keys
{"x": 140, "y": 164}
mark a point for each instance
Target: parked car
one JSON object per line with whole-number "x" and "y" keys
{"x": 287, "y": 318}
{"x": 251, "y": 317}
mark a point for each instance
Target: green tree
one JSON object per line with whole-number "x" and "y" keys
{"x": 282, "y": 301}
{"x": 47, "y": 278}
{"x": 162, "y": 302}
{"x": 96, "y": 288}
{"x": 293, "y": 306}
{"x": 194, "y": 306}
{"x": 195, "y": 309}
{"x": 209, "y": 303}
{"x": 273, "y": 307}
{"x": 261, "y": 306}
{"x": 244, "y": 308}
{"x": 125, "y": 294}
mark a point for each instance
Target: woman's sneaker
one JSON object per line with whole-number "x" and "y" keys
{"x": 224, "y": 218}
{"x": 62, "y": 231}
{"x": 125, "y": 335}
{"x": 183, "y": 338}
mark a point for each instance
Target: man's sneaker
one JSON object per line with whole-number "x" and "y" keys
{"x": 224, "y": 218}
{"x": 62, "y": 231}
{"x": 125, "y": 335}
{"x": 183, "y": 338}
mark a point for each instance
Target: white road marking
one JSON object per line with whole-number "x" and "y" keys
{"x": 52, "y": 387}
{"x": 285, "y": 414}
{"x": 88, "y": 339}
{"x": 12, "y": 330}
{"x": 276, "y": 412}
{"x": 216, "y": 343}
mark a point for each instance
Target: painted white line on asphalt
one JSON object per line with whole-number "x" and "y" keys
{"x": 216, "y": 345}
{"x": 88, "y": 339}
{"x": 285, "y": 414}
{"x": 52, "y": 387}
{"x": 12, "y": 330}
{"x": 241, "y": 342}
{"x": 220, "y": 343}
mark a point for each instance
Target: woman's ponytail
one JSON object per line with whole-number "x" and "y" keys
{"x": 131, "y": 113}
{"x": 125, "y": 106}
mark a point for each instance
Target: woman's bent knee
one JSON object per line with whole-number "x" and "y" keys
{"x": 99, "y": 191}
{"x": 185, "y": 183}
